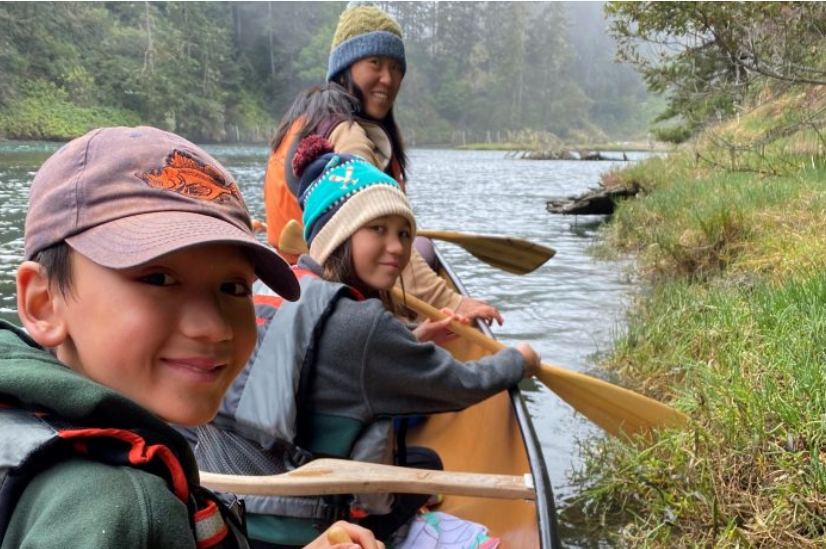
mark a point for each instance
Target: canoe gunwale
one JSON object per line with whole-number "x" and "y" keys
{"x": 545, "y": 507}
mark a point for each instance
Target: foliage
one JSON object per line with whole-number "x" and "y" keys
{"x": 217, "y": 71}
{"x": 731, "y": 329}
{"x": 46, "y": 113}
{"x": 618, "y": 99}
{"x": 672, "y": 133}
{"x": 710, "y": 57}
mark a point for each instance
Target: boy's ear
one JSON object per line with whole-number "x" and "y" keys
{"x": 39, "y": 305}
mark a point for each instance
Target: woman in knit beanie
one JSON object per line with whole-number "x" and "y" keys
{"x": 354, "y": 111}
{"x": 367, "y": 59}
{"x": 354, "y": 364}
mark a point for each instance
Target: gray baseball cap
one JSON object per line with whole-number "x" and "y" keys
{"x": 125, "y": 196}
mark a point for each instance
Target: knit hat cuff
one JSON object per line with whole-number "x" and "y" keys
{"x": 368, "y": 204}
{"x": 377, "y": 43}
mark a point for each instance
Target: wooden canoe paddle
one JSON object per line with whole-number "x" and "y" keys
{"x": 617, "y": 410}
{"x": 510, "y": 254}
{"x": 343, "y": 476}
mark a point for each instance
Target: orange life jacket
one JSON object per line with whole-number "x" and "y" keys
{"x": 281, "y": 186}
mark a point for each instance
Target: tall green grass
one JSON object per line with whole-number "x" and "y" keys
{"x": 731, "y": 329}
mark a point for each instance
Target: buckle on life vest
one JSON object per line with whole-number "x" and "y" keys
{"x": 210, "y": 527}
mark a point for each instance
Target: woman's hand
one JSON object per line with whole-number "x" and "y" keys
{"x": 532, "y": 359}
{"x": 438, "y": 331}
{"x": 476, "y": 308}
{"x": 343, "y": 535}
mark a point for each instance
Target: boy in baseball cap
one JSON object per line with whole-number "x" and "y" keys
{"x": 136, "y": 297}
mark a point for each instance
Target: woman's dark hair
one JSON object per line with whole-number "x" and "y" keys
{"x": 339, "y": 267}
{"x": 315, "y": 105}
{"x": 57, "y": 262}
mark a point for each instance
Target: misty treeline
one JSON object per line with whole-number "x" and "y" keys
{"x": 714, "y": 60}
{"x": 227, "y": 71}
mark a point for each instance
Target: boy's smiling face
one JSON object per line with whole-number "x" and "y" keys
{"x": 171, "y": 335}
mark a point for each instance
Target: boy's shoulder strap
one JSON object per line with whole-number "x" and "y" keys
{"x": 262, "y": 295}
{"x": 33, "y": 441}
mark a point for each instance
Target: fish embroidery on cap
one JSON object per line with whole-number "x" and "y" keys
{"x": 188, "y": 176}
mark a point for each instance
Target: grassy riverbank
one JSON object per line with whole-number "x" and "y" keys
{"x": 730, "y": 239}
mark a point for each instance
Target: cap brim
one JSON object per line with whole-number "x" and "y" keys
{"x": 136, "y": 240}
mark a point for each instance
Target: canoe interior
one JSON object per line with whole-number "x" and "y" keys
{"x": 488, "y": 438}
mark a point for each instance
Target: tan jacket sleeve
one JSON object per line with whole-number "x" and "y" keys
{"x": 364, "y": 139}
{"x": 422, "y": 282}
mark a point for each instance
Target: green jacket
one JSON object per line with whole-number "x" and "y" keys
{"x": 78, "y": 502}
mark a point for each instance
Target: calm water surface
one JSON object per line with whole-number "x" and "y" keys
{"x": 570, "y": 309}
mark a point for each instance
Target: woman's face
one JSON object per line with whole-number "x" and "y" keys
{"x": 379, "y": 79}
{"x": 381, "y": 250}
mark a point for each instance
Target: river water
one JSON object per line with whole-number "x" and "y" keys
{"x": 570, "y": 309}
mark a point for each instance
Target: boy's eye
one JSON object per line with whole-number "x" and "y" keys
{"x": 237, "y": 289}
{"x": 157, "y": 279}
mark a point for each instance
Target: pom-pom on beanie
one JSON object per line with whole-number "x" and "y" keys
{"x": 364, "y": 31}
{"x": 339, "y": 194}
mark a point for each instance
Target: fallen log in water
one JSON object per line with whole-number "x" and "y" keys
{"x": 601, "y": 201}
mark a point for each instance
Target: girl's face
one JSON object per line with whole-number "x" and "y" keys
{"x": 379, "y": 79}
{"x": 381, "y": 249}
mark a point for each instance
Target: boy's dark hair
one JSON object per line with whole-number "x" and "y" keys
{"x": 56, "y": 260}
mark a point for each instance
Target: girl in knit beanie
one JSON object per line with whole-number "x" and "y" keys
{"x": 354, "y": 364}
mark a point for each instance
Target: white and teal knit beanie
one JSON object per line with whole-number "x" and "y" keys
{"x": 364, "y": 31}
{"x": 340, "y": 193}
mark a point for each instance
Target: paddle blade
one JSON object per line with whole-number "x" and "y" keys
{"x": 618, "y": 411}
{"x": 510, "y": 254}
{"x": 291, "y": 239}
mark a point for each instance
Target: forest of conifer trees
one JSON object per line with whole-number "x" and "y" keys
{"x": 226, "y": 71}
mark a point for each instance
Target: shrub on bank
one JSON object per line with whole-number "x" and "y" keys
{"x": 45, "y": 112}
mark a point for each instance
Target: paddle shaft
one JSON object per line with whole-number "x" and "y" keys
{"x": 618, "y": 411}
{"x": 341, "y": 476}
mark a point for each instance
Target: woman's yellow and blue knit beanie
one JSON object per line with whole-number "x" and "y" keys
{"x": 340, "y": 193}
{"x": 364, "y": 31}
